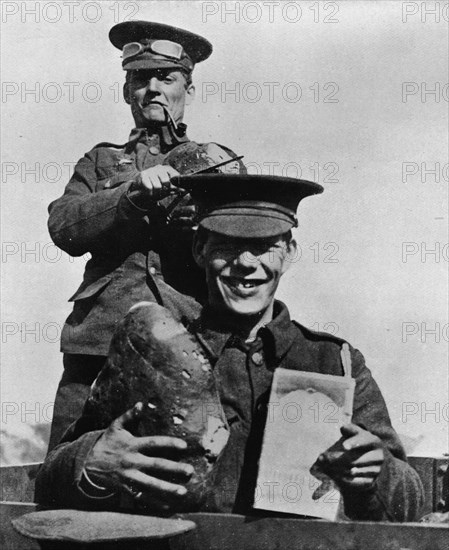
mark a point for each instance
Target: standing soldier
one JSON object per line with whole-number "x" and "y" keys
{"x": 120, "y": 207}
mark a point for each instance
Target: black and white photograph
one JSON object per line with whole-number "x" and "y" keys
{"x": 224, "y": 275}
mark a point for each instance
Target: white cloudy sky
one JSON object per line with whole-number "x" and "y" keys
{"x": 336, "y": 72}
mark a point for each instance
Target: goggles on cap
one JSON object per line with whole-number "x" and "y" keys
{"x": 167, "y": 48}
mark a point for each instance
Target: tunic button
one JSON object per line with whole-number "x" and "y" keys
{"x": 152, "y": 270}
{"x": 257, "y": 358}
{"x": 154, "y": 150}
{"x": 107, "y": 184}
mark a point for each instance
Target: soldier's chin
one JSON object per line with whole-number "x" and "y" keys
{"x": 154, "y": 114}
{"x": 245, "y": 307}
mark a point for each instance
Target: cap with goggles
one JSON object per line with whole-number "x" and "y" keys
{"x": 147, "y": 45}
{"x": 250, "y": 206}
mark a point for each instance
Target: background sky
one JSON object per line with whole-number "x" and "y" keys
{"x": 338, "y": 92}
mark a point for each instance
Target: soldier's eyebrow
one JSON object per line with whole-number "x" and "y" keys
{"x": 146, "y": 74}
{"x": 163, "y": 73}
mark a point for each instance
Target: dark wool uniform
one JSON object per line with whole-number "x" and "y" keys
{"x": 136, "y": 255}
{"x": 244, "y": 373}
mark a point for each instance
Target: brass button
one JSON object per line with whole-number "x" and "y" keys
{"x": 107, "y": 184}
{"x": 257, "y": 358}
{"x": 154, "y": 150}
{"x": 152, "y": 270}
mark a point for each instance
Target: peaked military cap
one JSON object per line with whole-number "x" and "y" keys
{"x": 147, "y": 45}
{"x": 244, "y": 205}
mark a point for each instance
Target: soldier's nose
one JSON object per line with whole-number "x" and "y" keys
{"x": 153, "y": 84}
{"x": 246, "y": 259}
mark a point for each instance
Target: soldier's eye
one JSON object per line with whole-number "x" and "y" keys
{"x": 140, "y": 79}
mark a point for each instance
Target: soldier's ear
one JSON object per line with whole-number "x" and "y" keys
{"x": 290, "y": 257}
{"x": 198, "y": 248}
{"x": 190, "y": 94}
{"x": 126, "y": 94}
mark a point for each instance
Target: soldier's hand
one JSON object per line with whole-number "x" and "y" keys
{"x": 154, "y": 182}
{"x": 136, "y": 465}
{"x": 358, "y": 461}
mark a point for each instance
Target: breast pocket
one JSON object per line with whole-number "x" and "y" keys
{"x": 88, "y": 302}
{"x": 125, "y": 174}
{"x": 91, "y": 290}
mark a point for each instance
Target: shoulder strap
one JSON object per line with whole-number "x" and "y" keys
{"x": 109, "y": 145}
{"x": 315, "y": 335}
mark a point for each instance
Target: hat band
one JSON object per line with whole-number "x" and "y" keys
{"x": 253, "y": 208}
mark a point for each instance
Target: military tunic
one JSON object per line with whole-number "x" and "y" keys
{"x": 244, "y": 373}
{"x": 132, "y": 248}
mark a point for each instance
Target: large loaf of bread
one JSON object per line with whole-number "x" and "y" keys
{"x": 154, "y": 359}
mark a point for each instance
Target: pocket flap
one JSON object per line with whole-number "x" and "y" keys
{"x": 91, "y": 289}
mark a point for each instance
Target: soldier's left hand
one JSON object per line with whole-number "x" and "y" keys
{"x": 358, "y": 462}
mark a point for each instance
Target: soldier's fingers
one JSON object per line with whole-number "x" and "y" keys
{"x": 158, "y": 443}
{"x": 363, "y": 441}
{"x": 165, "y": 172}
{"x": 157, "y": 184}
{"x": 152, "y": 179}
{"x": 349, "y": 430}
{"x": 369, "y": 459}
{"x": 148, "y": 183}
{"x": 152, "y": 465}
{"x": 172, "y": 173}
{"x": 168, "y": 183}
{"x": 339, "y": 461}
{"x": 368, "y": 471}
{"x": 155, "y": 177}
{"x": 128, "y": 418}
{"x": 155, "y": 487}
{"x": 358, "y": 483}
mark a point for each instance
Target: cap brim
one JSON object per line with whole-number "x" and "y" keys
{"x": 244, "y": 226}
{"x": 213, "y": 185}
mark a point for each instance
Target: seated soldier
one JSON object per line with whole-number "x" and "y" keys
{"x": 244, "y": 244}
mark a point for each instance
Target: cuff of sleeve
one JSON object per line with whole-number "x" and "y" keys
{"x": 83, "y": 483}
{"x": 130, "y": 196}
{"x": 369, "y": 505}
{"x": 91, "y": 489}
{"x": 133, "y": 204}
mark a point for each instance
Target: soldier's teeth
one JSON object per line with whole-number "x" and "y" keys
{"x": 247, "y": 284}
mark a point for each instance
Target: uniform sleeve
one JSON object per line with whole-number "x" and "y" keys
{"x": 60, "y": 482}
{"x": 89, "y": 216}
{"x": 398, "y": 493}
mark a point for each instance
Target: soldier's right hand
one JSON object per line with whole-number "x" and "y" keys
{"x": 136, "y": 465}
{"x": 154, "y": 182}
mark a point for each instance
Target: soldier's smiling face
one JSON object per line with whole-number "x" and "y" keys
{"x": 243, "y": 274}
{"x": 148, "y": 91}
